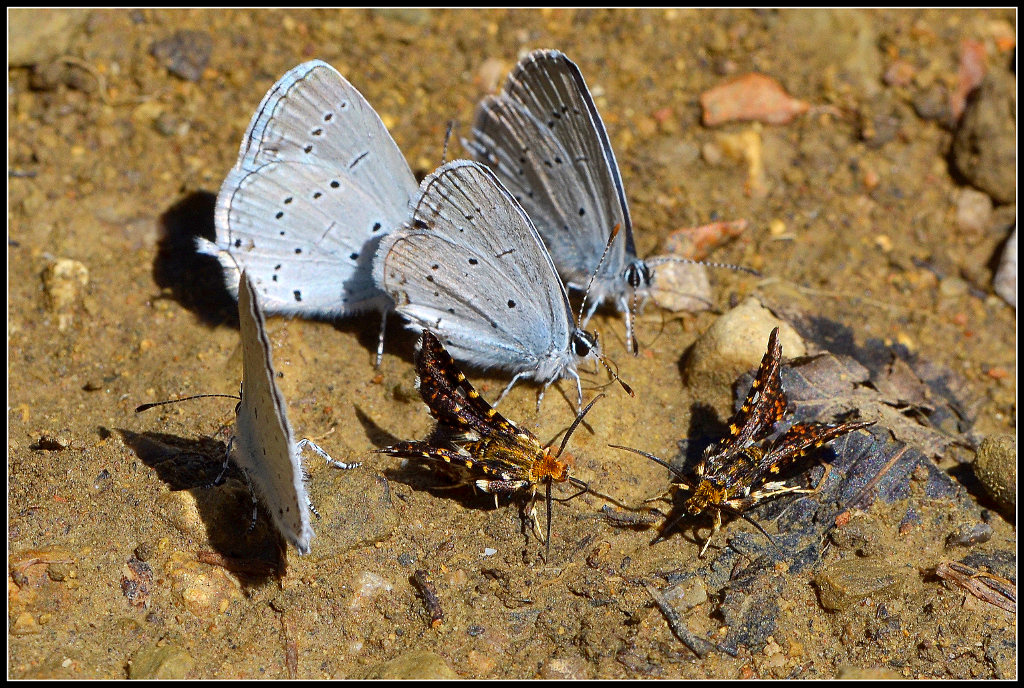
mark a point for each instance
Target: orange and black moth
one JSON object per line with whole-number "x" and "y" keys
{"x": 485, "y": 448}
{"x": 733, "y": 474}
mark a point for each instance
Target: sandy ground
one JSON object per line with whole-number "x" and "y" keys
{"x": 122, "y": 562}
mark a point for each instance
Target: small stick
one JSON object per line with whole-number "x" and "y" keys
{"x": 430, "y": 599}
{"x": 698, "y": 645}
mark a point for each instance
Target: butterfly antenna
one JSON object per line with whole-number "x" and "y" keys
{"x": 146, "y": 407}
{"x": 630, "y": 318}
{"x": 615, "y": 376}
{"x": 604, "y": 254}
{"x": 729, "y": 266}
{"x": 447, "y": 137}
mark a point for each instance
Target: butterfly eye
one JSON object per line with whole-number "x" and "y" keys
{"x": 637, "y": 275}
{"x": 583, "y": 343}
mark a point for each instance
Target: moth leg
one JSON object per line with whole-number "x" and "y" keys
{"x": 667, "y": 494}
{"x": 772, "y": 490}
{"x": 508, "y": 487}
{"x": 714, "y": 529}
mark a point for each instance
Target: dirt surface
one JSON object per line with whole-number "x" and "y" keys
{"x": 122, "y": 563}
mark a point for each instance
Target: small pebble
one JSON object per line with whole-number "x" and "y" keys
{"x": 844, "y": 584}
{"x": 996, "y": 467}
{"x": 969, "y": 535}
{"x": 415, "y": 664}
{"x": 166, "y": 661}
{"x": 973, "y": 211}
{"x": 64, "y": 281}
{"x": 735, "y": 344}
{"x": 184, "y": 54}
{"x": 1005, "y": 281}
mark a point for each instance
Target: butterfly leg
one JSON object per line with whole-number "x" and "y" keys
{"x": 579, "y": 389}
{"x": 380, "y": 338}
{"x": 255, "y": 505}
{"x": 304, "y": 443}
{"x": 509, "y": 388}
{"x": 224, "y": 469}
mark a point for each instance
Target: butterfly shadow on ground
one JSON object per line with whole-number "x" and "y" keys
{"x": 225, "y": 509}
{"x": 196, "y": 281}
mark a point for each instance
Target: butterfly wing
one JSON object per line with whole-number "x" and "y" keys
{"x": 545, "y": 140}
{"x": 472, "y": 269}
{"x": 263, "y": 445}
{"x": 318, "y": 181}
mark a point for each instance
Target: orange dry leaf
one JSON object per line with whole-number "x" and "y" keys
{"x": 751, "y": 97}
{"x": 970, "y": 75}
{"x": 697, "y": 242}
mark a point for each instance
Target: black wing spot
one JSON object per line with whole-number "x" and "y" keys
{"x": 298, "y": 295}
{"x": 376, "y": 226}
{"x": 582, "y": 212}
{"x": 298, "y": 251}
{"x": 511, "y": 303}
{"x": 354, "y": 256}
{"x": 335, "y": 183}
{"x": 238, "y": 243}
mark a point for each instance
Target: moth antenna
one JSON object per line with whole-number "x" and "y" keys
{"x": 576, "y": 423}
{"x": 675, "y": 471}
{"x": 729, "y": 266}
{"x": 146, "y": 407}
{"x": 585, "y": 487}
{"x": 604, "y": 254}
